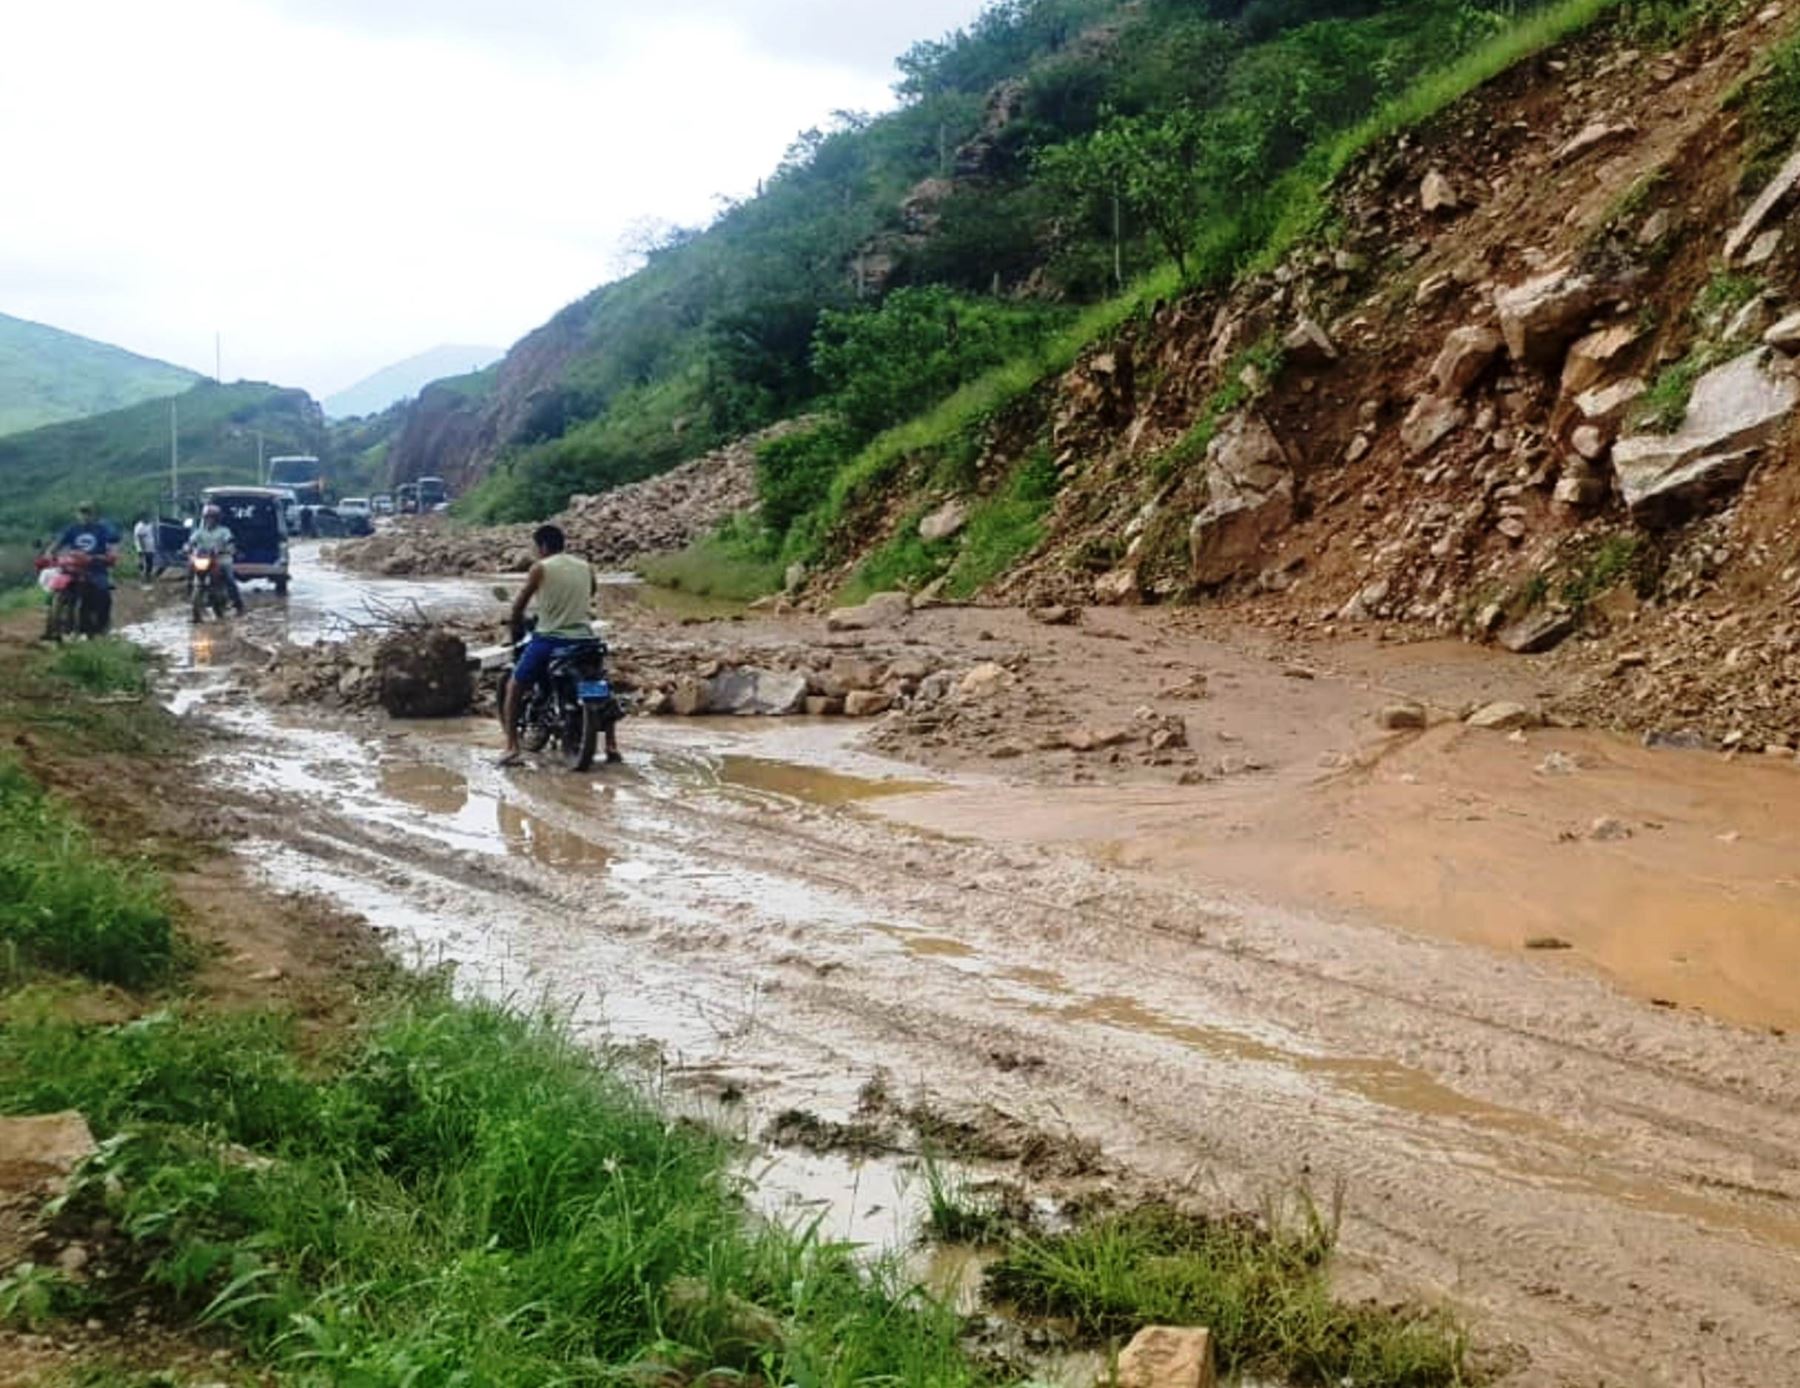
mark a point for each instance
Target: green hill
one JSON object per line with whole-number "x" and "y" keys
{"x": 121, "y": 460}
{"x": 47, "y": 376}
{"x": 1049, "y": 169}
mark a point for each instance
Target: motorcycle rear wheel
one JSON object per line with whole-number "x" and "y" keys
{"x": 579, "y": 736}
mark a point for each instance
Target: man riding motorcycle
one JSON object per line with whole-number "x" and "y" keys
{"x": 212, "y": 536}
{"x": 563, "y": 587}
{"x": 92, "y": 547}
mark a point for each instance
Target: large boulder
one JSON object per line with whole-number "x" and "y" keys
{"x": 882, "y": 610}
{"x": 944, "y": 522}
{"x": 1250, "y": 500}
{"x": 1308, "y": 346}
{"x": 1541, "y": 316}
{"x": 746, "y": 691}
{"x": 1735, "y": 409}
{"x": 1773, "y": 192}
{"x": 1466, "y": 355}
{"x": 424, "y": 674}
{"x": 1432, "y": 419}
{"x": 1591, "y": 358}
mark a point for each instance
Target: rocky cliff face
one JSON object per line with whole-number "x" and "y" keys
{"x": 1532, "y": 386}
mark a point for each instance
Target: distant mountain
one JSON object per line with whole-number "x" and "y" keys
{"x": 48, "y": 376}
{"x": 405, "y": 379}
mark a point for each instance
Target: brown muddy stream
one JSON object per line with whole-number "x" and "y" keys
{"x": 779, "y": 918}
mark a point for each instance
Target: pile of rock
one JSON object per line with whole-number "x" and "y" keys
{"x": 610, "y": 529}
{"x": 411, "y": 673}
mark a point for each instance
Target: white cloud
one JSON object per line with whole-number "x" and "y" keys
{"x": 334, "y": 185}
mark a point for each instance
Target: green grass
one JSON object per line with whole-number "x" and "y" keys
{"x": 458, "y": 1196}
{"x": 1259, "y": 1286}
{"x": 1006, "y": 527}
{"x": 1602, "y": 568}
{"x": 65, "y": 906}
{"x": 718, "y": 566}
{"x": 107, "y": 666}
{"x": 23, "y": 598}
{"x": 1771, "y": 102}
{"x": 906, "y": 561}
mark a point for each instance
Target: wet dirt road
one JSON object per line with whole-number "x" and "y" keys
{"x": 1612, "y": 1186}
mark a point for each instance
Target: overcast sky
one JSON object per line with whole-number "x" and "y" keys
{"x": 334, "y": 185}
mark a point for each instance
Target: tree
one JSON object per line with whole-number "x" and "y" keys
{"x": 1147, "y": 165}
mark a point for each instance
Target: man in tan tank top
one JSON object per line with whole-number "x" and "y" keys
{"x": 563, "y": 587}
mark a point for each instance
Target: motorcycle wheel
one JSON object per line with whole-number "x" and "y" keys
{"x": 580, "y": 734}
{"x": 218, "y": 605}
{"x": 65, "y": 615}
{"x": 199, "y": 614}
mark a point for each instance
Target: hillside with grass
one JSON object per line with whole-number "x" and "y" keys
{"x": 120, "y": 460}
{"x": 1046, "y": 169}
{"x": 48, "y": 376}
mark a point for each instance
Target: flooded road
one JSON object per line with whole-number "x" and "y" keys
{"x": 779, "y": 920}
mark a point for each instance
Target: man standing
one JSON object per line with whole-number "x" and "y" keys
{"x": 214, "y": 537}
{"x": 143, "y": 539}
{"x": 97, "y": 543}
{"x": 563, "y": 587}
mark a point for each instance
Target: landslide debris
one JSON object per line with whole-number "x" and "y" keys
{"x": 665, "y": 513}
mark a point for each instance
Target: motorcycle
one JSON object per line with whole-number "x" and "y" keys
{"x": 573, "y": 705}
{"x": 65, "y": 578}
{"x": 207, "y": 585}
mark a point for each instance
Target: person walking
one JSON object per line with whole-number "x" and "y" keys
{"x": 143, "y": 540}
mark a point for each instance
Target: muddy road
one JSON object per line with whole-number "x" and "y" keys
{"x": 1609, "y": 1187}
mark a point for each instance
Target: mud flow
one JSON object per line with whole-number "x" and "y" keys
{"x": 1221, "y": 990}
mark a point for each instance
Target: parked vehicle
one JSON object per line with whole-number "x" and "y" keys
{"x": 356, "y": 516}
{"x": 207, "y": 585}
{"x": 257, "y": 517}
{"x": 572, "y": 706}
{"x": 406, "y": 498}
{"x": 303, "y": 474}
{"x": 382, "y": 503}
{"x": 433, "y": 494}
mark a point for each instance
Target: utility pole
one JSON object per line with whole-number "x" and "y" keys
{"x": 261, "y": 475}
{"x": 218, "y": 361}
{"x": 174, "y": 460}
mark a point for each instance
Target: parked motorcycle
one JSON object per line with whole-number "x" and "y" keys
{"x": 573, "y": 706}
{"x": 207, "y": 585}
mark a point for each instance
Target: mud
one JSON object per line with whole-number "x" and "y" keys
{"x": 1312, "y": 971}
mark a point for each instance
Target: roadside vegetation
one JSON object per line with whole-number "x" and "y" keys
{"x": 1159, "y": 175}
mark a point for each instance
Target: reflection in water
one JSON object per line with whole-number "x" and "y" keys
{"x": 527, "y": 836}
{"x": 434, "y": 789}
{"x": 809, "y": 784}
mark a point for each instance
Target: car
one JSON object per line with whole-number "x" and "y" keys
{"x": 356, "y": 516}
{"x": 382, "y": 504}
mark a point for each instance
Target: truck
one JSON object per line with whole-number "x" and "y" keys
{"x": 302, "y": 474}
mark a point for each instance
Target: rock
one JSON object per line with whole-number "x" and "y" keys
{"x": 41, "y": 1150}
{"x": 1540, "y": 316}
{"x": 1055, "y": 616}
{"x": 1308, "y": 347}
{"x": 1086, "y": 739}
{"x": 983, "y": 681}
{"x": 1785, "y": 334}
{"x": 1538, "y": 632}
{"x": 424, "y": 675}
{"x": 1750, "y": 321}
{"x": 688, "y": 698}
{"x": 1580, "y": 489}
{"x": 1358, "y": 449}
{"x": 749, "y": 691}
{"x": 1467, "y": 353}
{"x": 1591, "y": 358}
{"x": 866, "y": 703}
{"x": 946, "y": 521}
{"x": 1589, "y": 441}
{"x": 1434, "y": 289}
{"x": 1250, "y": 500}
{"x": 1762, "y": 249}
{"x": 1656, "y": 226}
{"x": 1118, "y": 588}
{"x": 1608, "y": 830}
{"x": 1348, "y": 262}
{"x": 1503, "y": 717}
{"x": 881, "y": 610}
{"x": 1431, "y": 420}
{"x": 1592, "y": 136}
{"x": 1734, "y": 410}
{"x": 794, "y": 577}
{"x": 1166, "y": 1356}
{"x": 1777, "y": 188}
{"x": 1607, "y": 403}
{"x": 823, "y": 706}
{"x": 1401, "y": 717}
{"x": 1437, "y": 193}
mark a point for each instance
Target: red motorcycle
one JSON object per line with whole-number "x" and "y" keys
{"x": 65, "y": 577}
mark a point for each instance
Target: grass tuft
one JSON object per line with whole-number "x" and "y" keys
{"x": 106, "y": 666}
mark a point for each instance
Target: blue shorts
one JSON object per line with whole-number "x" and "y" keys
{"x": 539, "y": 651}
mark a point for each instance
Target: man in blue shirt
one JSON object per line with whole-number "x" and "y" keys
{"x": 95, "y": 540}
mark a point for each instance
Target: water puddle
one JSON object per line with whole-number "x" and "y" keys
{"x": 810, "y": 785}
